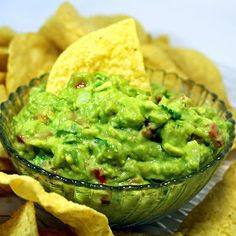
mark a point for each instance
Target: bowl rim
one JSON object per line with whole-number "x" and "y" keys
{"x": 80, "y": 183}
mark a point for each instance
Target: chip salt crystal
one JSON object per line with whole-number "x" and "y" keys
{"x": 113, "y": 50}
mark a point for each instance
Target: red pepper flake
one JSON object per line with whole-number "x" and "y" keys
{"x": 20, "y": 139}
{"x": 80, "y": 84}
{"x": 98, "y": 174}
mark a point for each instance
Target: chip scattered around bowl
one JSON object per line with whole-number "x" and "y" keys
{"x": 22, "y": 222}
{"x": 84, "y": 220}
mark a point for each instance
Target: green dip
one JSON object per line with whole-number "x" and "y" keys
{"x": 100, "y": 129}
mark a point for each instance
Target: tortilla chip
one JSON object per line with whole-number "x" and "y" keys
{"x": 22, "y": 222}
{"x": 30, "y": 55}
{"x": 3, "y": 58}
{"x": 161, "y": 41}
{"x": 84, "y": 220}
{"x": 113, "y": 50}
{"x": 3, "y": 93}
{"x": 216, "y": 214}
{"x": 6, "y": 35}
{"x": 2, "y": 77}
{"x": 65, "y": 27}
{"x": 200, "y": 69}
{"x": 98, "y": 22}
{"x": 155, "y": 57}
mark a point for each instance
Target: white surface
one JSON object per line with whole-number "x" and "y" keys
{"x": 207, "y": 25}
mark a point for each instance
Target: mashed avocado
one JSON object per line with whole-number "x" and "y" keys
{"x": 100, "y": 129}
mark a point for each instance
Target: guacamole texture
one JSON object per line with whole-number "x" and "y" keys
{"x": 102, "y": 130}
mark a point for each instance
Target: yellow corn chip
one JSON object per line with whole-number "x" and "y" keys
{"x": 113, "y": 50}
{"x": 2, "y": 77}
{"x": 65, "y": 27}
{"x": 3, "y": 93}
{"x": 162, "y": 40}
{"x": 6, "y": 35}
{"x": 156, "y": 58}
{"x": 30, "y": 55}
{"x": 200, "y": 69}
{"x": 3, "y": 58}
{"x": 97, "y": 22}
{"x": 22, "y": 222}
{"x": 84, "y": 220}
{"x": 215, "y": 215}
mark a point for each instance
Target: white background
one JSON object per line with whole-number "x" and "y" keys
{"x": 206, "y": 25}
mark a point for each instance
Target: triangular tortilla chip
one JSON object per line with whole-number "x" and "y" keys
{"x": 84, "y": 220}
{"x": 64, "y": 27}
{"x": 113, "y": 50}
{"x": 100, "y": 21}
{"x": 67, "y": 25}
{"x": 155, "y": 57}
{"x": 22, "y": 222}
{"x": 200, "y": 69}
{"x": 215, "y": 215}
{"x": 30, "y": 55}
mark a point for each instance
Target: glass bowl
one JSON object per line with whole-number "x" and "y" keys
{"x": 123, "y": 205}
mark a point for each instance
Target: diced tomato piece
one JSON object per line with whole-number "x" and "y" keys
{"x": 215, "y": 136}
{"x": 99, "y": 175}
{"x": 214, "y": 133}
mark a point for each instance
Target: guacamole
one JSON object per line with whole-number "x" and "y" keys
{"x": 102, "y": 130}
